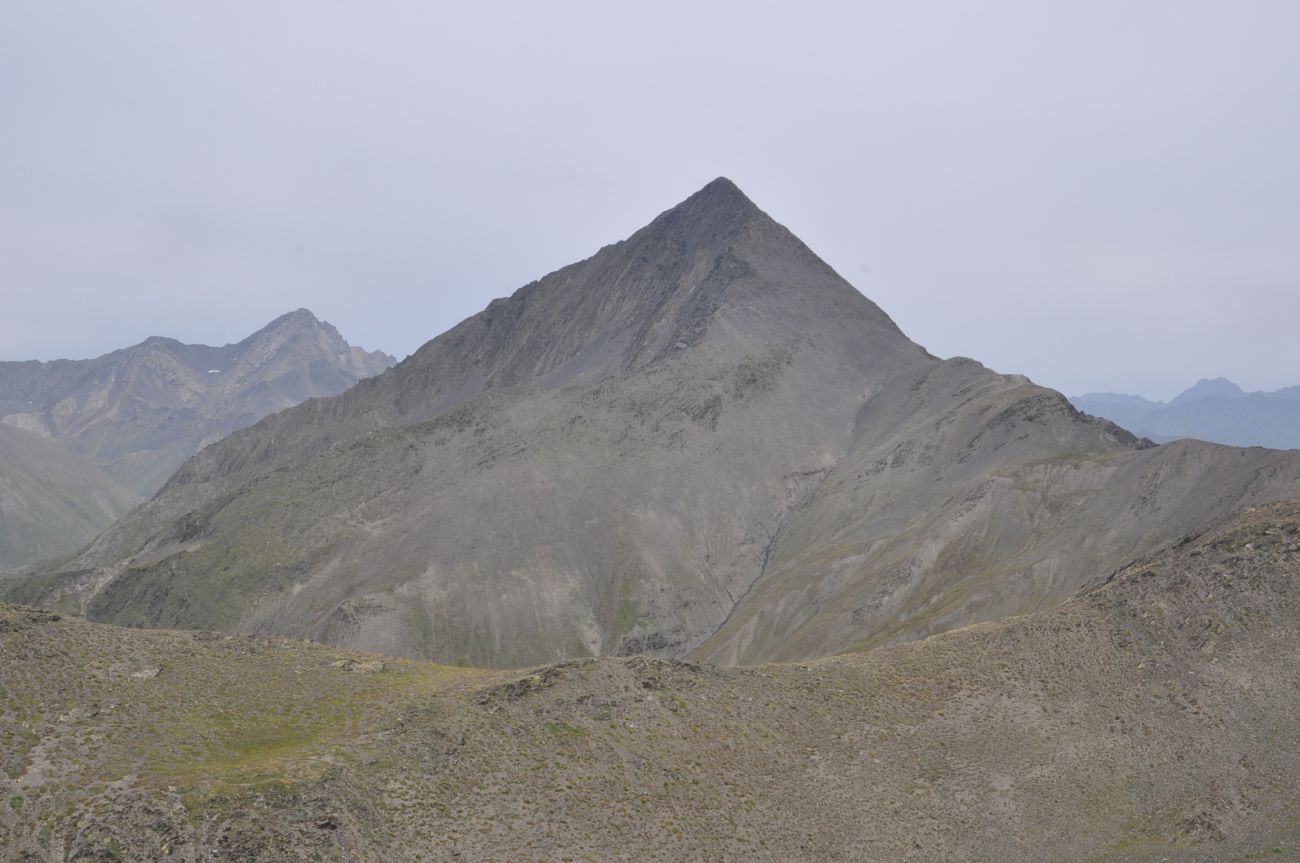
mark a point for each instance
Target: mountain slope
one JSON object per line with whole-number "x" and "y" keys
{"x": 701, "y": 441}
{"x": 970, "y": 496}
{"x": 1150, "y": 718}
{"x": 141, "y": 411}
{"x": 51, "y": 501}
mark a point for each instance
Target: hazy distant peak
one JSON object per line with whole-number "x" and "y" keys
{"x": 159, "y": 341}
{"x": 302, "y": 323}
{"x": 1117, "y": 399}
{"x": 298, "y": 318}
{"x": 1209, "y": 388}
{"x": 1215, "y": 409}
{"x": 139, "y": 411}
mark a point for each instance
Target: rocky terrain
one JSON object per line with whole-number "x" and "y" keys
{"x": 139, "y": 412}
{"x": 1215, "y": 410}
{"x": 701, "y": 442}
{"x": 1151, "y": 717}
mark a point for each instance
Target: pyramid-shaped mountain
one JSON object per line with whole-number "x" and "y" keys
{"x": 701, "y": 441}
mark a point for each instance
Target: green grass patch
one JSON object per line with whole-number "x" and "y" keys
{"x": 560, "y": 728}
{"x": 279, "y": 730}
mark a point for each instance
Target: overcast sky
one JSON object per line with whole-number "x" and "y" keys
{"x": 1101, "y": 195}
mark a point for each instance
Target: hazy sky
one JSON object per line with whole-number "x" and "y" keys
{"x": 1101, "y": 195}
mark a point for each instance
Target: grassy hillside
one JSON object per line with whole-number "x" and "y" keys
{"x": 1153, "y": 717}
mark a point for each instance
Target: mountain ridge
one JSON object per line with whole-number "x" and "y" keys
{"x": 139, "y": 411}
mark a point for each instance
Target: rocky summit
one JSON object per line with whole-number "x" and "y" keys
{"x": 699, "y": 443}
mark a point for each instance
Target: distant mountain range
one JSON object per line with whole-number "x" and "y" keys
{"x": 1213, "y": 410}
{"x": 81, "y": 441}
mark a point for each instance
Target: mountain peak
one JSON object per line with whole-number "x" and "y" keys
{"x": 723, "y": 193}
{"x": 720, "y": 195}
{"x": 298, "y": 317}
{"x": 713, "y": 214}
{"x": 300, "y": 323}
{"x": 1209, "y": 388}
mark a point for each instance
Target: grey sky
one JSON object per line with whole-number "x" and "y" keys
{"x": 1101, "y": 195}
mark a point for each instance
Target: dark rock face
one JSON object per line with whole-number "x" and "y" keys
{"x": 699, "y": 441}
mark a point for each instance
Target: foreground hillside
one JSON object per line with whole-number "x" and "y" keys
{"x": 701, "y": 442}
{"x": 1153, "y": 717}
